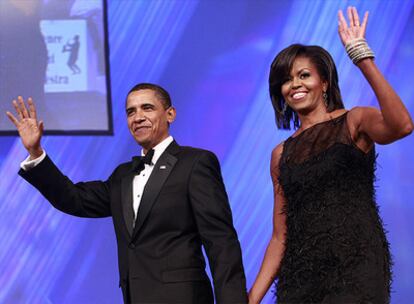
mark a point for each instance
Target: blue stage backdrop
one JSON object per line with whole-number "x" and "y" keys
{"x": 214, "y": 57}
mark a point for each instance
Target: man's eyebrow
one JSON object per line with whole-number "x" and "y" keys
{"x": 147, "y": 104}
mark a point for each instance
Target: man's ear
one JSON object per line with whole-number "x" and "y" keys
{"x": 171, "y": 114}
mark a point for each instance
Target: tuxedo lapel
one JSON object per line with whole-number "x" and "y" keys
{"x": 126, "y": 199}
{"x": 159, "y": 175}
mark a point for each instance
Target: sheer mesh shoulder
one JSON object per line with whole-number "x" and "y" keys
{"x": 316, "y": 139}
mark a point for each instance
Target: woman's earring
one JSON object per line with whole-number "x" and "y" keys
{"x": 284, "y": 109}
{"x": 325, "y": 98}
{"x": 285, "y": 106}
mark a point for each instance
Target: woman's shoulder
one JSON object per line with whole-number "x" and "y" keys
{"x": 355, "y": 114}
{"x": 277, "y": 151}
{"x": 276, "y": 157}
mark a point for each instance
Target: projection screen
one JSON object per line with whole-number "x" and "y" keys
{"x": 55, "y": 51}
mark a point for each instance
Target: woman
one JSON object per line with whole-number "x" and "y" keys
{"x": 328, "y": 244}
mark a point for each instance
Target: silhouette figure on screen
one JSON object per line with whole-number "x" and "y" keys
{"x": 73, "y": 49}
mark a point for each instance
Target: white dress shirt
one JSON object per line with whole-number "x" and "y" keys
{"x": 28, "y": 163}
{"x": 139, "y": 181}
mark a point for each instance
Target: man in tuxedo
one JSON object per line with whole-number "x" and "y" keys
{"x": 165, "y": 205}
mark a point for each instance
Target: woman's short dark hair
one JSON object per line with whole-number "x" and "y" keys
{"x": 161, "y": 93}
{"x": 280, "y": 70}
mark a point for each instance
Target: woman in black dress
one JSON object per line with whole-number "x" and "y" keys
{"x": 328, "y": 243}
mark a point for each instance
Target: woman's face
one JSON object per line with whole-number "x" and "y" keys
{"x": 303, "y": 89}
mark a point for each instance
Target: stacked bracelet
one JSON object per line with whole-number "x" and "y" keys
{"x": 358, "y": 49}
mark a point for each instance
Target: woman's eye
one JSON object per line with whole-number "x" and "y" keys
{"x": 304, "y": 75}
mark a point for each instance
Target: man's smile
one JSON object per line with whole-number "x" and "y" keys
{"x": 141, "y": 129}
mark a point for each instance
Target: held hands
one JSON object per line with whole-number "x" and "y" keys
{"x": 30, "y": 130}
{"x": 355, "y": 29}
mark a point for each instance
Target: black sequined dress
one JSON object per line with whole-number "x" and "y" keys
{"x": 336, "y": 248}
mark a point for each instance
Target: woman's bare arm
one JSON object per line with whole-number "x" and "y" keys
{"x": 276, "y": 247}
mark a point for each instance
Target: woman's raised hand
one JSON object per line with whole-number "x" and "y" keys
{"x": 355, "y": 29}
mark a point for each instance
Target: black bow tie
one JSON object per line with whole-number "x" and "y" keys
{"x": 139, "y": 162}
{"x": 147, "y": 159}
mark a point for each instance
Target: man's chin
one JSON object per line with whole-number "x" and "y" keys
{"x": 141, "y": 141}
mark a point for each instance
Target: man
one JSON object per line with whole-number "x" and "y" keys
{"x": 164, "y": 207}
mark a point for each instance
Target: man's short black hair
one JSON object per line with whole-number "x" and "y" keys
{"x": 161, "y": 93}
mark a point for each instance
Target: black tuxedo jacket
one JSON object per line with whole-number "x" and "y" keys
{"x": 184, "y": 206}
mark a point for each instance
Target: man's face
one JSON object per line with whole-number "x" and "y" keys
{"x": 147, "y": 118}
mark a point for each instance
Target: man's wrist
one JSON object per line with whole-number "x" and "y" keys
{"x": 35, "y": 153}
{"x": 29, "y": 163}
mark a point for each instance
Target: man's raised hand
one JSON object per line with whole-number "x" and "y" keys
{"x": 30, "y": 130}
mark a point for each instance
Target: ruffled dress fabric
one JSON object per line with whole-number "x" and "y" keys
{"x": 336, "y": 248}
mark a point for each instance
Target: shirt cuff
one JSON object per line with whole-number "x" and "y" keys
{"x": 28, "y": 163}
